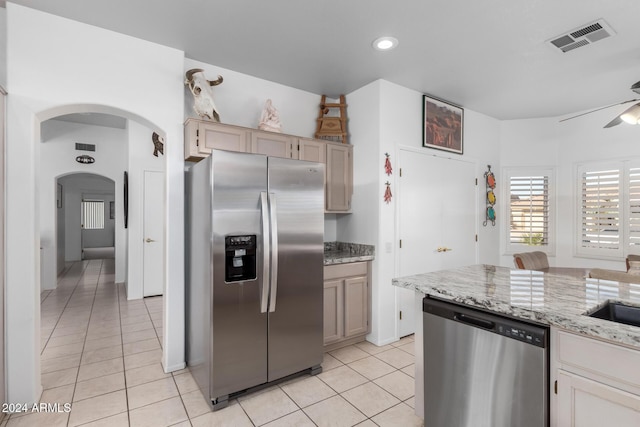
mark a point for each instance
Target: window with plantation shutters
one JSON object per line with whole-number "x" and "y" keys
{"x": 633, "y": 220}
{"x": 93, "y": 214}
{"x": 600, "y": 214}
{"x": 529, "y": 210}
{"x": 609, "y": 209}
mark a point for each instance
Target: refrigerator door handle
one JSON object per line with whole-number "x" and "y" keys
{"x": 274, "y": 252}
{"x": 266, "y": 234}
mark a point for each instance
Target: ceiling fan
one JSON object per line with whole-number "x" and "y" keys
{"x": 631, "y": 115}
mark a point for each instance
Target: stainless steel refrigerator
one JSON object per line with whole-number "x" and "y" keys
{"x": 254, "y": 271}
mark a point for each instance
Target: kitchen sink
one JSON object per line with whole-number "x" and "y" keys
{"x": 617, "y": 312}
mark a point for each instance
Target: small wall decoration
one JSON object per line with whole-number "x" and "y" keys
{"x": 442, "y": 125}
{"x": 387, "y": 193}
{"x": 387, "y": 164}
{"x": 331, "y": 123}
{"x": 490, "y": 185}
{"x": 270, "y": 119}
{"x": 158, "y": 144}
{"x": 85, "y": 159}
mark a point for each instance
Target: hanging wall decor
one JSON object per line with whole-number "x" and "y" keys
{"x": 158, "y": 144}
{"x": 490, "y": 185}
{"x": 387, "y": 193}
{"x": 387, "y": 164}
{"x": 85, "y": 159}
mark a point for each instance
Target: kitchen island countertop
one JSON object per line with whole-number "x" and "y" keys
{"x": 548, "y": 298}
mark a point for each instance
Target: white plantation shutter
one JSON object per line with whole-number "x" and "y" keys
{"x": 93, "y": 214}
{"x": 600, "y": 211}
{"x": 633, "y": 219}
{"x": 529, "y": 210}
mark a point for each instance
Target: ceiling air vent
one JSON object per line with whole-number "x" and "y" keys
{"x": 85, "y": 147}
{"x": 582, "y": 36}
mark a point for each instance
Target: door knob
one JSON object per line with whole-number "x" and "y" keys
{"x": 444, "y": 249}
{"x": 148, "y": 240}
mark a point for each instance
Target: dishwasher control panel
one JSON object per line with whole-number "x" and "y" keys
{"x": 492, "y": 322}
{"x": 521, "y": 334}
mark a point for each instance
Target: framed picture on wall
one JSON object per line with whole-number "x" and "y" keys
{"x": 112, "y": 210}
{"x": 442, "y": 125}
{"x": 59, "y": 196}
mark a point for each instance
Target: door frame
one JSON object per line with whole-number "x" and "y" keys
{"x": 471, "y": 160}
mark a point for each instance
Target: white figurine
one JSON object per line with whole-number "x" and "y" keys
{"x": 270, "y": 119}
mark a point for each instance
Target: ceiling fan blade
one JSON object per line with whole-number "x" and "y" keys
{"x": 598, "y": 109}
{"x": 614, "y": 122}
{"x": 618, "y": 119}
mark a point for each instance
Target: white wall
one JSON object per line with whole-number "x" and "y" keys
{"x": 3, "y": 47}
{"x": 547, "y": 142}
{"x": 384, "y": 117}
{"x": 57, "y": 158}
{"x": 240, "y": 100}
{"x": 85, "y": 66}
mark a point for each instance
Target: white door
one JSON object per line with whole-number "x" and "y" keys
{"x": 153, "y": 271}
{"x": 437, "y": 221}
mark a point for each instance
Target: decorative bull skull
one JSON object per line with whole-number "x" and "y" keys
{"x": 200, "y": 87}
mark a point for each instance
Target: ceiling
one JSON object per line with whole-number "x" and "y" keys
{"x": 490, "y": 56}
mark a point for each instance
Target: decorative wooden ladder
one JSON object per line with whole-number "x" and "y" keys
{"x": 333, "y": 128}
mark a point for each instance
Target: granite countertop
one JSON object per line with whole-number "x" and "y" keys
{"x": 342, "y": 252}
{"x": 549, "y": 298}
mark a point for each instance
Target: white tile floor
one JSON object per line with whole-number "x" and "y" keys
{"x": 102, "y": 353}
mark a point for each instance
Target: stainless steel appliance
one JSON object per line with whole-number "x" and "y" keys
{"x": 483, "y": 370}
{"x": 254, "y": 266}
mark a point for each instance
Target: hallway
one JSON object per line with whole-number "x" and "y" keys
{"x": 102, "y": 353}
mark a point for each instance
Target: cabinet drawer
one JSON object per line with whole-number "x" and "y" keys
{"x": 607, "y": 360}
{"x": 344, "y": 270}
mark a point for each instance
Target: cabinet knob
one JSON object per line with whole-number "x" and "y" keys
{"x": 443, "y": 249}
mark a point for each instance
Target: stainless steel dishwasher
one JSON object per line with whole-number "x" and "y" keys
{"x": 482, "y": 369}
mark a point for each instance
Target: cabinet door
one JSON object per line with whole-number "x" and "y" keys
{"x": 587, "y": 403}
{"x": 273, "y": 144}
{"x": 221, "y": 137}
{"x": 333, "y": 311}
{"x": 201, "y": 137}
{"x": 355, "y": 306}
{"x": 339, "y": 177}
{"x": 312, "y": 150}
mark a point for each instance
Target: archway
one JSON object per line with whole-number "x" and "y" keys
{"x": 124, "y": 149}
{"x": 117, "y": 138}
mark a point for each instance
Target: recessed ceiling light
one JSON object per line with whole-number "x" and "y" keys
{"x": 385, "y": 43}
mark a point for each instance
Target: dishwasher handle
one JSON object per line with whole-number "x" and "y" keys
{"x": 481, "y": 323}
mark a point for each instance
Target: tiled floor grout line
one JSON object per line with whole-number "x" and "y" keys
{"x": 65, "y": 305}
{"x": 75, "y": 385}
{"x": 124, "y": 366}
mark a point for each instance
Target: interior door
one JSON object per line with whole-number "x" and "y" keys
{"x": 153, "y": 227}
{"x": 437, "y": 221}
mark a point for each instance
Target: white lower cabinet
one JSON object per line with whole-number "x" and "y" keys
{"x": 594, "y": 383}
{"x": 587, "y": 403}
